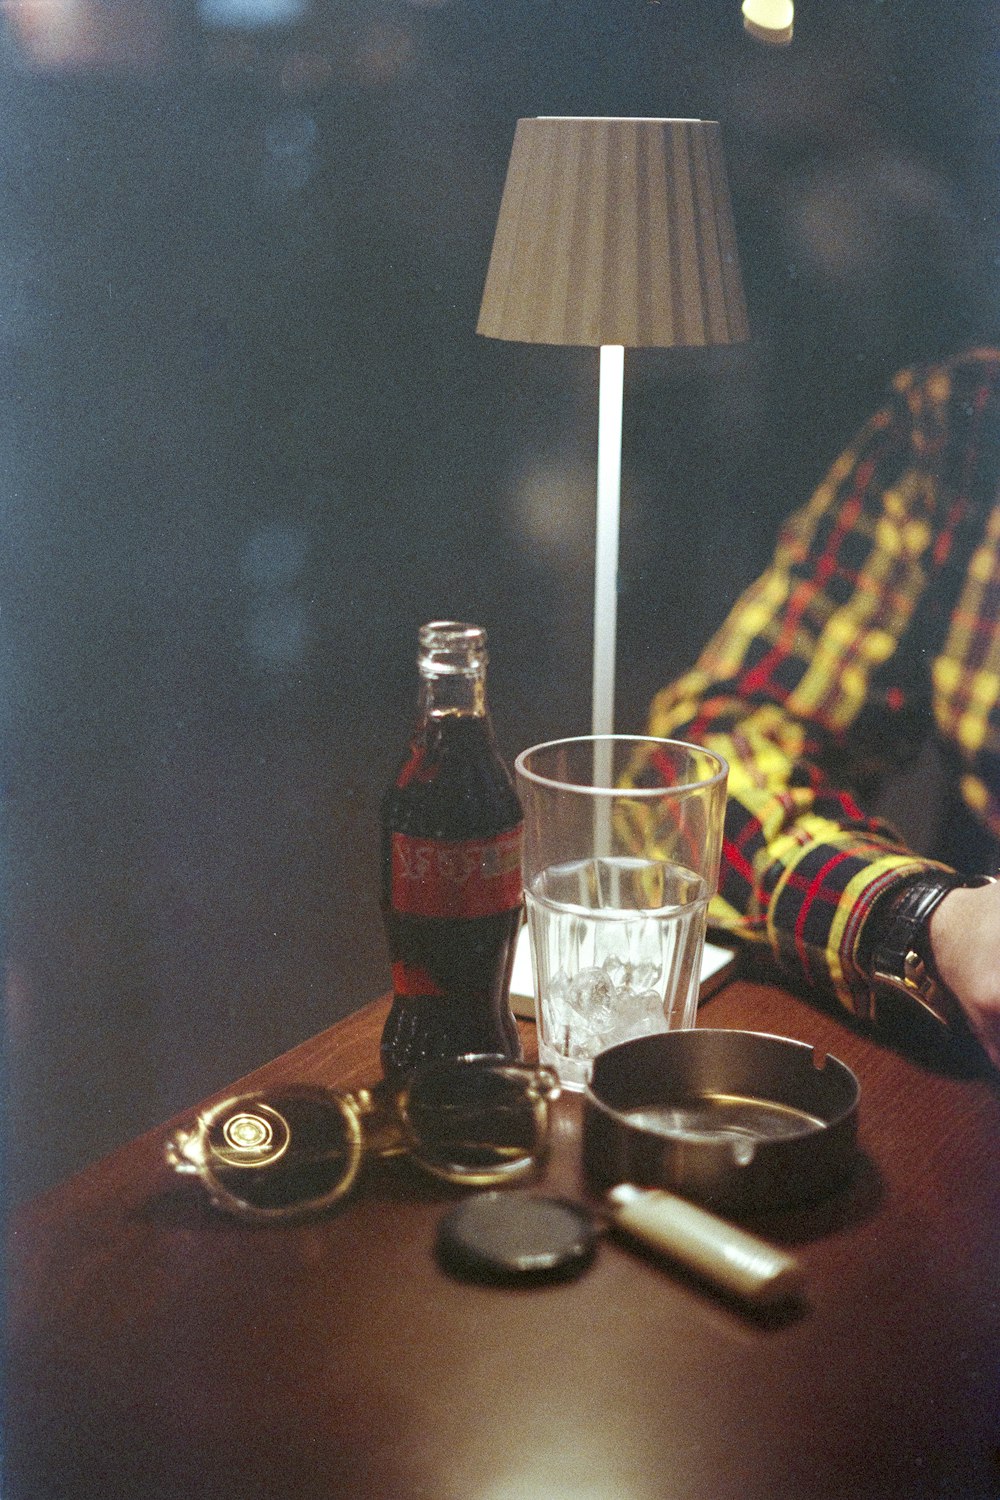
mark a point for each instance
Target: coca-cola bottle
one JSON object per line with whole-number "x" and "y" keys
{"x": 451, "y": 867}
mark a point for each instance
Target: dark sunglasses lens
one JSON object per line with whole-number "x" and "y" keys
{"x": 472, "y": 1116}
{"x": 287, "y": 1151}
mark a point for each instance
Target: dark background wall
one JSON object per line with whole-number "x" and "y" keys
{"x": 250, "y": 442}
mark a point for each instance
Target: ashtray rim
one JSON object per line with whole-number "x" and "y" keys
{"x": 784, "y": 1168}
{"x": 797, "y": 1048}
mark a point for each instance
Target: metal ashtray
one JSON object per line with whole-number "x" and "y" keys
{"x": 736, "y": 1119}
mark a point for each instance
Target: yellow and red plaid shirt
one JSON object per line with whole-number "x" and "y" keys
{"x": 877, "y": 622}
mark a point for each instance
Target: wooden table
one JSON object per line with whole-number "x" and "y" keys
{"x": 157, "y": 1350}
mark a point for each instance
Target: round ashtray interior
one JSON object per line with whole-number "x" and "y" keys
{"x": 723, "y": 1115}
{"x": 738, "y": 1121}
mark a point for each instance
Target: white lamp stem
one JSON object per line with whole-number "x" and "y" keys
{"x": 609, "y": 469}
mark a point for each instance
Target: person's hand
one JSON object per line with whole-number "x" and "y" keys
{"x": 965, "y": 941}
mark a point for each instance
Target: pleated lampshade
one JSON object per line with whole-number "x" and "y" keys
{"x": 615, "y": 231}
{"x": 771, "y": 21}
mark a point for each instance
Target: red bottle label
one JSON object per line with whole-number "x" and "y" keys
{"x": 456, "y": 877}
{"x": 410, "y": 981}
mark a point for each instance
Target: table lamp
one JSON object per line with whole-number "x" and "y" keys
{"x": 770, "y": 21}
{"x": 614, "y": 233}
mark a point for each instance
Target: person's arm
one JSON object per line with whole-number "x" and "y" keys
{"x": 819, "y": 679}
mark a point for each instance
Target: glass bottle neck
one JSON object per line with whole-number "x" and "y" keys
{"x": 452, "y": 663}
{"x": 456, "y": 693}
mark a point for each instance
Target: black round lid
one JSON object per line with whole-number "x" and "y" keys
{"x": 515, "y": 1237}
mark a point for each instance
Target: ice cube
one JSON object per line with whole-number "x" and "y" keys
{"x": 598, "y": 1007}
{"x": 631, "y": 1005}
{"x": 558, "y": 985}
{"x": 616, "y": 970}
{"x": 589, "y": 989}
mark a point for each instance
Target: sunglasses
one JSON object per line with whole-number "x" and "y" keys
{"x": 477, "y": 1121}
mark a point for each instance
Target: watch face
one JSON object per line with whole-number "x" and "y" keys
{"x": 899, "y": 967}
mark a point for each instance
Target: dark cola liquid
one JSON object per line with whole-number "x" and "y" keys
{"x": 451, "y": 973}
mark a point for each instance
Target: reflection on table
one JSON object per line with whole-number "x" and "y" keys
{"x": 158, "y": 1349}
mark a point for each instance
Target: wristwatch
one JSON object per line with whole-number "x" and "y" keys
{"x": 901, "y": 958}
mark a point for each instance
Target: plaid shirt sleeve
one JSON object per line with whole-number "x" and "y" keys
{"x": 819, "y": 678}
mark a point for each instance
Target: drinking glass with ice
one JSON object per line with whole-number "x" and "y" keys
{"x": 621, "y": 856}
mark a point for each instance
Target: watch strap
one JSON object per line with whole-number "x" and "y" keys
{"x": 902, "y": 959}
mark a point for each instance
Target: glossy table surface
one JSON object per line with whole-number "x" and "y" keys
{"x": 157, "y": 1349}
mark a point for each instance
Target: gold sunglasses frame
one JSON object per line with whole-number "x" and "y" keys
{"x": 377, "y": 1122}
